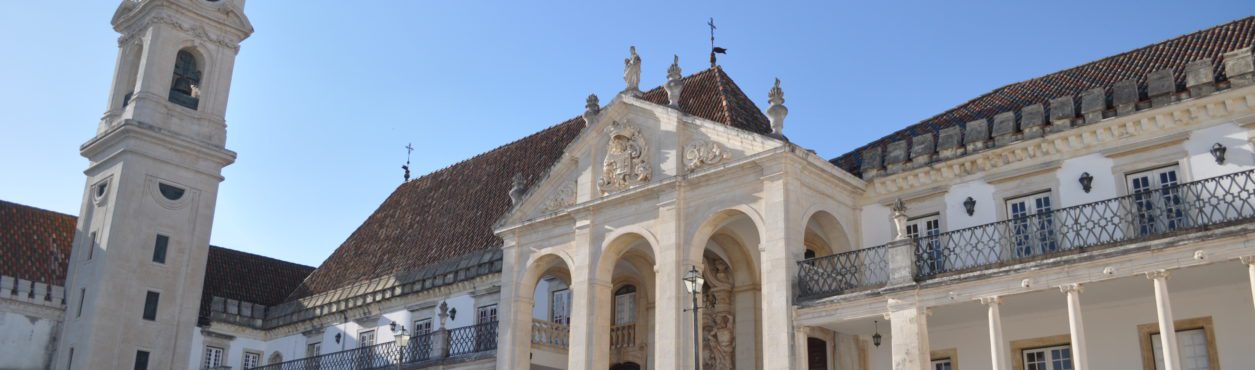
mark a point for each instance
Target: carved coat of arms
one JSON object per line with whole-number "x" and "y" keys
{"x": 626, "y": 161}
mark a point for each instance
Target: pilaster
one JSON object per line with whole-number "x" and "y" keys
{"x": 781, "y": 247}
{"x": 909, "y": 327}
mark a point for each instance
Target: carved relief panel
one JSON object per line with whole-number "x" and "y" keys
{"x": 703, "y": 153}
{"x": 627, "y": 159}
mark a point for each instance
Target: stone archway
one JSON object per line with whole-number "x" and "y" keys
{"x": 730, "y": 324}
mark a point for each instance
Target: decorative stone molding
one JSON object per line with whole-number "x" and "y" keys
{"x": 626, "y": 162}
{"x": 703, "y": 153}
{"x": 990, "y": 300}
{"x": 1069, "y": 288}
{"x": 1158, "y": 274}
{"x": 564, "y": 197}
{"x": 197, "y": 31}
{"x": 777, "y": 111}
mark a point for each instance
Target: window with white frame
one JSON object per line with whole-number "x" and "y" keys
{"x": 422, "y": 326}
{"x": 213, "y": 357}
{"x": 925, "y": 231}
{"x": 251, "y": 360}
{"x": 487, "y": 314}
{"x": 625, "y": 305}
{"x": 1193, "y": 350}
{"x": 1048, "y": 358}
{"x": 942, "y": 364}
{"x": 313, "y": 349}
{"x": 560, "y": 307}
{"x": 1158, "y": 200}
{"x": 366, "y": 338}
{"x": 1032, "y": 224}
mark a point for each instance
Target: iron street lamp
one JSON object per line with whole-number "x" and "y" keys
{"x": 693, "y": 281}
{"x": 402, "y": 341}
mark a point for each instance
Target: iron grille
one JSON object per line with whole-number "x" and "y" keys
{"x": 472, "y": 339}
{"x": 1135, "y": 217}
{"x": 835, "y": 274}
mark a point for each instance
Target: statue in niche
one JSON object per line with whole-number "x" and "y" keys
{"x": 625, "y": 163}
{"x": 720, "y": 341}
{"x": 718, "y": 318}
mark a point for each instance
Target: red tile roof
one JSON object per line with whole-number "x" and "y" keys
{"x": 35, "y": 243}
{"x": 450, "y": 212}
{"x": 1135, "y": 64}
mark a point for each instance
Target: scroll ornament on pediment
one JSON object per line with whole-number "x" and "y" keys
{"x": 626, "y": 164}
{"x": 703, "y": 153}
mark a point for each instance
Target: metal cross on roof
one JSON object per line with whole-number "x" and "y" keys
{"x": 714, "y": 49}
{"x": 409, "y": 149}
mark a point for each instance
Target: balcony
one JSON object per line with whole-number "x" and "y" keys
{"x": 551, "y": 335}
{"x": 425, "y": 350}
{"x": 623, "y": 336}
{"x": 1147, "y": 215}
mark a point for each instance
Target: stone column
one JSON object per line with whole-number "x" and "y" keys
{"x": 1167, "y": 328}
{"x": 1080, "y": 355}
{"x": 997, "y": 347}
{"x": 672, "y": 329}
{"x": 1250, "y": 267}
{"x": 590, "y": 324}
{"x": 514, "y": 342}
{"x": 781, "y": 248}
{"x": 909, "y": 335}
{"x": 801, "y": 349}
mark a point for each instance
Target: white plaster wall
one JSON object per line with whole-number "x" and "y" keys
{"x": 25, "y": 340}
{"x": 1238, "y": 156}
{"x": 197, "y": 346}
{"x": 877, "y": 225}
{"x": 1111, "y": 328}
{"x": 986, "y": 206}
{"x": 1070, "y": 191}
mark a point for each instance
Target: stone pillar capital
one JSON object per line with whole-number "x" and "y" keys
{"x": 1069, "y": 288}
{"x": 992, "y": 300}
{"x": 1158, "y": 275}
{"x": 1249, "y": 260}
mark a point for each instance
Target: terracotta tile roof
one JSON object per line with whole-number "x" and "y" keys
{"x": 35, "y": 243}
{"x": 450, "y": 212}
{"x": 1173, "y": 53}
{"x": 248, "y": 277}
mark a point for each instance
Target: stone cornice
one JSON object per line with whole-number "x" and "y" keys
{"x": 1144, "y": 125}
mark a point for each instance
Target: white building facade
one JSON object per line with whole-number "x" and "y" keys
{"x": 1051, "y": 224}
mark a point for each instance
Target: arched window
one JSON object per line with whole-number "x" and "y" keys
{"x": 185, "y": 85}
{"x": 625, "y": 305}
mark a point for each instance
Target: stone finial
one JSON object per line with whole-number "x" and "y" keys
{"x": 592, "y": 107}
{"x": 444, "y": 313}
{"x": 632, "y": 72}
{"x": 517, "y": 190}
{"x": 675, "y": 83}
{"x": 1200, "y": 77}
{"x": 1239, "y": 68}
{"x": 777, "y": 111}
{"x": 1159, "y": 86}
{"x": 899, "y": 219}
{"x": 1124, "y": 96}
{"x": 1093, "y": 103}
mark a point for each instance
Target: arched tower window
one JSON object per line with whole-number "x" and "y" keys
{"x": 625, "y": 305}
{"x": 185, "y": 85}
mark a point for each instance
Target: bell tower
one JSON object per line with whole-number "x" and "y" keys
{"x": 138, "y": 264}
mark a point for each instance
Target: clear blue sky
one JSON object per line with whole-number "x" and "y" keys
{"x": 327, "y": 93}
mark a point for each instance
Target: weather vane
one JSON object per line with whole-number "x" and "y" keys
{"x": 714, "y": 49}
{"x": 409, "y": 148}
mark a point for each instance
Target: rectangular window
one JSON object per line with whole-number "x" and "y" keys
{"x": 313, "y": 349}
{"x": 560, "y": 307}
{"x": 1032, "y": 225}
{"x": 82, "y": 295}
{"x": 366, "y": 338}
{"x": 150, "y": 305}
{"x": 942, "y": 364}
{"x": 251, "y": 360}
{"x": 926, "y": 231}
{"x": 422, "y": 326}
{"x": 91, "y": 245}
{"x": 141, "y": 360}
{"x": 1048, "y": 358}
{"x": 487, "y": 314}
{"x": 213, "y": 357}
{"x": 159, "y": 249}
{"x": 1194, "y": 350}
{"x": 1158, "y": 200}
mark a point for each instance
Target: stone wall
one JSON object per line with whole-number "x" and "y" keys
{"x": 30, "y": 317}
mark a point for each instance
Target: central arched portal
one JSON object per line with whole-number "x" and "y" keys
{"x": 731, "y": 315}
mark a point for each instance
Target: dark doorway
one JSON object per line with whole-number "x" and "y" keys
{"x": 626, "y": 366}
{"x": 816, "y": 354}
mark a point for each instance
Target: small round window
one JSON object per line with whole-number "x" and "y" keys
{"x": 171, "y": 192}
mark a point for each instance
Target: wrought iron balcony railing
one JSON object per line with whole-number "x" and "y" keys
{"x": 422, "y": 348}
{"x": 1144, "y": 215}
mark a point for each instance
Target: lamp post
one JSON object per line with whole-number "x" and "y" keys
{"x": 693, "y": 281}
{"x": 402, "y": 341}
